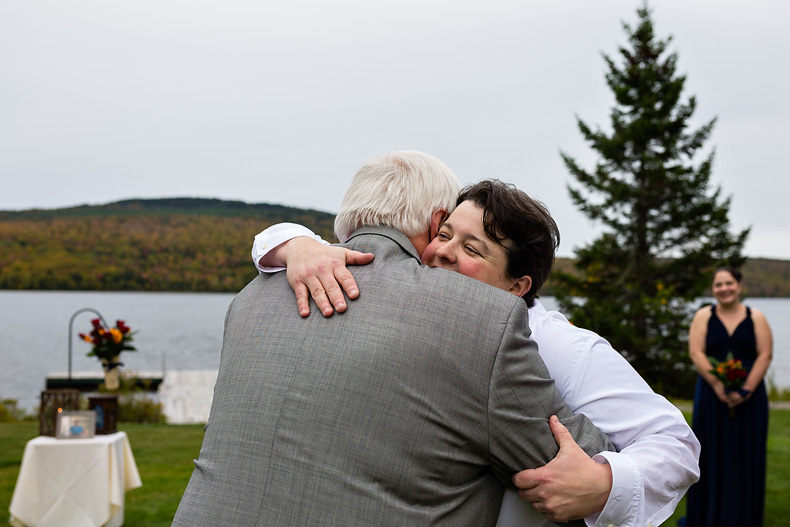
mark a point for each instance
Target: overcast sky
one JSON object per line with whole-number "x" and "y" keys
{"x": 280, "y": 102}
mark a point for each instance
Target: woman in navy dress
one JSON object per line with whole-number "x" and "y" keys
{"x": 731, "y": 425}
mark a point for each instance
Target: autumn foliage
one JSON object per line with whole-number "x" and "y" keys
{"x": 145, "y": 245}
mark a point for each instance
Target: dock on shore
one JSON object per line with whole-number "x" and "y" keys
{"x": 185, "y": 394}
{"x": 89, "y": 381}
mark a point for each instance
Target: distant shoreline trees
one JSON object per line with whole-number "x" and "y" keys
{"x": 140, "y": 245}
{"x": 107, "y": 248}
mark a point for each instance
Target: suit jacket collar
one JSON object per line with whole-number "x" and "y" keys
{"x": 388, "y": 232}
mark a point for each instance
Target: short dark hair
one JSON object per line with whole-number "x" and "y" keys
{"x": 733, "y": 271}
{"x": 520, "y": 224}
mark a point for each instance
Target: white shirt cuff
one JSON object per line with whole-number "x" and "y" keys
{"x": 626, "y": 496}
{"x": 275, "y": 235}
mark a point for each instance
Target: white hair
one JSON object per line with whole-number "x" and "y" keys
{"x": 400, "y": 190}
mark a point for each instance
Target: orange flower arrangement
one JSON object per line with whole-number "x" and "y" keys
{"x": 729, "y": 371}
{"x": 108, "y": 343}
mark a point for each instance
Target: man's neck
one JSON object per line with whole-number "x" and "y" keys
{"x": 420, "y": 242}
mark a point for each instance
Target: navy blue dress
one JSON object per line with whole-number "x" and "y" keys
{"x": 731, "y": 488}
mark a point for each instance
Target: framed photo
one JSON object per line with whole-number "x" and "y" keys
{"x": 74, "y": 425}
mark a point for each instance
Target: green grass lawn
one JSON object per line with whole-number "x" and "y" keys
{"x": 164, "y": 457}
{"x": 163, "y": 454}
{"x": 777, "y": 504}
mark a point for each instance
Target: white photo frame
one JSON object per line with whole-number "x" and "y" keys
{"x": 75, "y": 425}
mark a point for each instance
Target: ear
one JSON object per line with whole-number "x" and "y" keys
{"x": 437, "y": 218}
{"x": 521, "y": 286}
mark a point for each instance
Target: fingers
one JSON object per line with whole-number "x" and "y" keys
{"x": 346, "y": 283}
{"x": 572, "y": 485}
{"x": 334, "y": 292}
{"x": 723, "y": 397}
{"x": 531, "y": 478}
{"x": 320, "y": 295}
{"x": 358, "y": 258}
{"x": 344, "y": 276}
{"x": 328, "y": 289}
{"x": 541, "y": 500}
{"x": 561, "y": 434}
{"x": 526, "y": 480}
{"x": 325, "y": 285}
{"x": 330, "y": 280}
{"x": 305, "y": 287}
{"x": 321, "y": 274}
{"x": 302, "y": 299}
{"x": 734, "y": 399}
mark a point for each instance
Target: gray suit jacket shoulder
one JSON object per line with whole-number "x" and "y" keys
{"x": 415, "y": 407}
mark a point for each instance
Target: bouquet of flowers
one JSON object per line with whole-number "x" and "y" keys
{"x": 108, "y": 343}
{"x": 729, "y": 371}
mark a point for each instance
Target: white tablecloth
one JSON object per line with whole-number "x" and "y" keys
{"x": 74, "y": 482}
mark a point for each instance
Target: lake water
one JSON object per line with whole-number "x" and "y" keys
{"x": 176, "y": 331}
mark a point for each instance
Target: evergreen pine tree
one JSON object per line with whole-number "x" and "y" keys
{"x": 665, "y": 231}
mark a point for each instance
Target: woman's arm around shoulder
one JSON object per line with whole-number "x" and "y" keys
{"x": 313, "y": 267}
{"x": 658, "y": 454}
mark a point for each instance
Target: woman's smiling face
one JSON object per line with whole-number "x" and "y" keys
{"x": 463, "y": 246}
{"x": 726, "y": 289}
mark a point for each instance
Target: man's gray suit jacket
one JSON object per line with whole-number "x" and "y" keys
{"x": 415, "y": 407}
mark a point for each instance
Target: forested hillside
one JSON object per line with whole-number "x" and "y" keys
{"x": 185, "y": 244}
{"x": 149, "y": 245}
{"x": 762, "y": 277}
